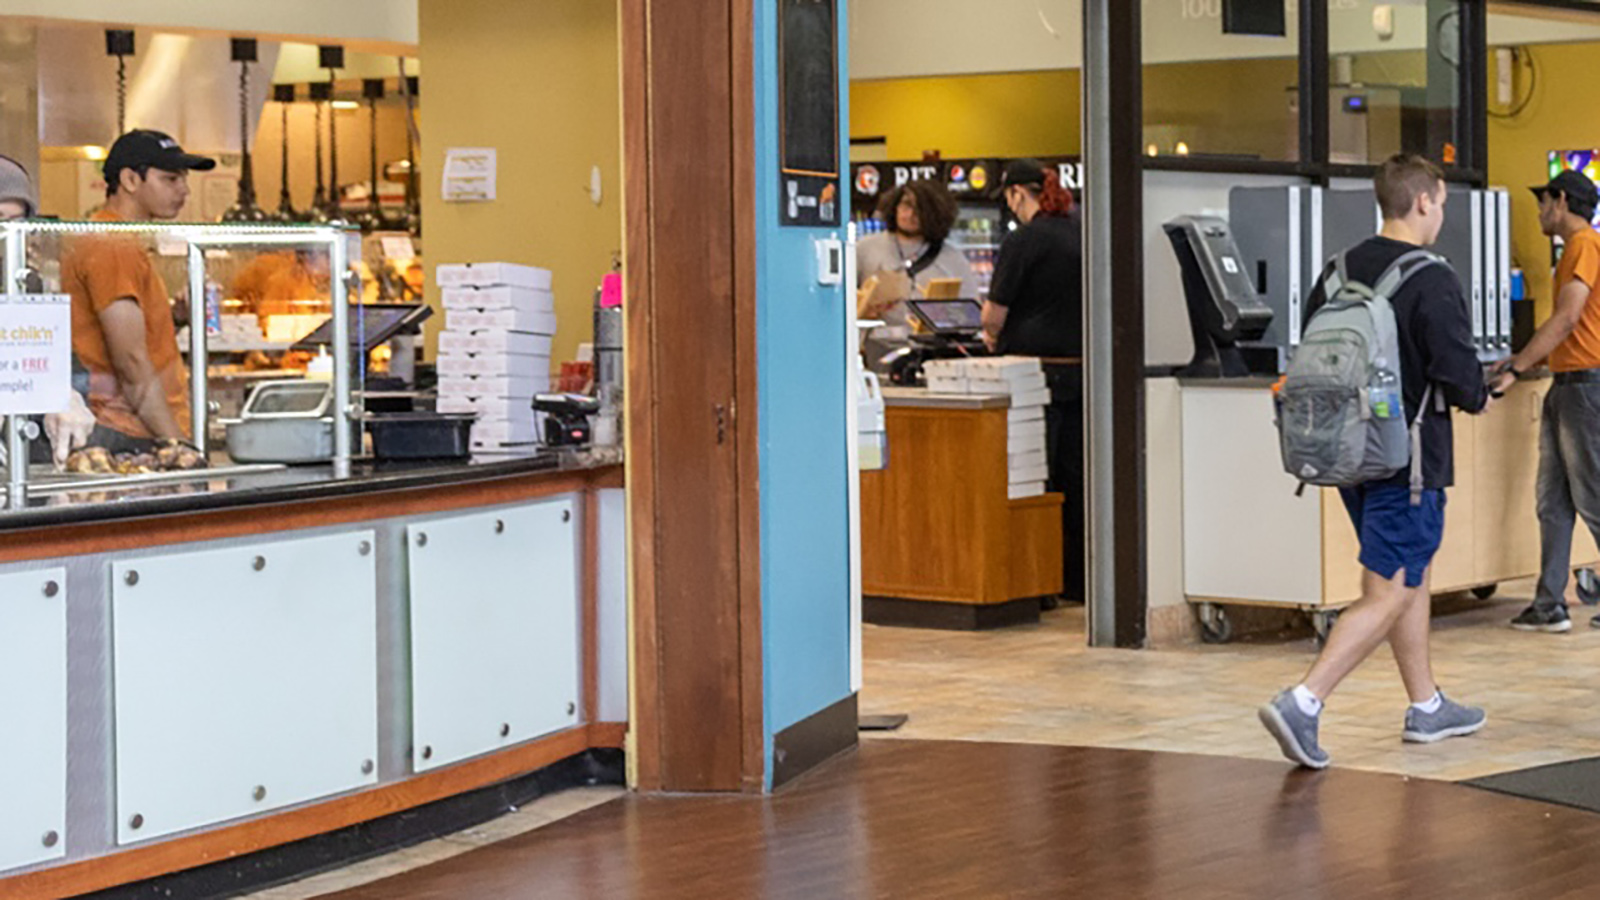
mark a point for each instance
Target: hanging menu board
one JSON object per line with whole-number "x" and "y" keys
{"x": 808, "y": 117}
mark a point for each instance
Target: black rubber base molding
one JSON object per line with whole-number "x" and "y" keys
{"x": 949, "y": 616}
{"x": 813, "y": 740}
{"x": 336, "y": 849}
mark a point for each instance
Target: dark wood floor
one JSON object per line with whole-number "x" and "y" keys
{"x": 969, "y": 820}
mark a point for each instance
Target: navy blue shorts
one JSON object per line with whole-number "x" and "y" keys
{"x": 1394, "y": 534}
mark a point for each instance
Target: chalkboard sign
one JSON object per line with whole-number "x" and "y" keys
{"x": 808, "y": 117}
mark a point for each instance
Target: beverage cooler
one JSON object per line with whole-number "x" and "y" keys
{"x": 982, "y": 219}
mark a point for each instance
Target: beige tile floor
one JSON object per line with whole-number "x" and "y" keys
{"x": 1040, "y": 684}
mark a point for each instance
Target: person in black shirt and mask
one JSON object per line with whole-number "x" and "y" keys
{"x": 1035, "y": 308}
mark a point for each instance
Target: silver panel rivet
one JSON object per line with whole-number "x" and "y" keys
{"x": 137, "y": 822}
{"x": 427, "y": 753}
{"x": 366, "y": 767}
{"x": 258, "y": 563}
{"x": 566, "y": 515}
{"x": 51, "y": 838}
{"x": 505, "y": 729}
{"x": 499, "y": 526}
{"x": 366, "y": 548}
{"x": 422, "y": 539}
{"x": 260, "y": 793}
{"x": 131, "y": 579}
{"x": 572, "y": 708}
{"x": 51, "y": 589}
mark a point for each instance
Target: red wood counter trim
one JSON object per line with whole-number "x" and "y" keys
{"x": 225, "y": 843}
{"x": 185, "y": 528}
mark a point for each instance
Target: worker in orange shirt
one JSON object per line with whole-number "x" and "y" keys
{"x": 1569, "y": 430}
{"x": 122, "y": 326}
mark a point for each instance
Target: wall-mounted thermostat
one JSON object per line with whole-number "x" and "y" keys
{"x": 830, "y": 261}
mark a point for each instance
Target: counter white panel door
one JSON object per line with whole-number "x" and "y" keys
{"x": 1246, "y": 536}
{"x": 33, "y": 717}
{"x": 494, "y": 629}
{"x": 245, "y": 680}
{"x": 612, "y": 583}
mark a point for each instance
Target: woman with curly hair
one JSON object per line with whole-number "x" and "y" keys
{"x": 918, "y": 216}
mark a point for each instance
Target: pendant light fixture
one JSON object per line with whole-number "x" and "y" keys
{"x": 408, "y": 89}
{"x": 332, "y": 58}
{"x": 372, "y": 219}
{"x": 283, "y": 95}
{"x": 119, "y": 43}
{"x": 320, "y": 210}
{"x": 244, "y": 208}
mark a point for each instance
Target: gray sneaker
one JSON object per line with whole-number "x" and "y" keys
{"x": 1295, "y": 731}
{"x": 1450, "y": 720}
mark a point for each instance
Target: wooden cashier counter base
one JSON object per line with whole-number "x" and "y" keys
{"x": 196, "y": 669}
{"x": 1249, "y": 541}
{"x": 942, "y": 544}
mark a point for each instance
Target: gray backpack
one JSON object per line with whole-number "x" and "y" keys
{"x": 1340, "y": 411}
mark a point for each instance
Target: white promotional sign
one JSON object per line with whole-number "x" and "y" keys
{"x": 469, "y": 174}
{"x": 35, "y": 353}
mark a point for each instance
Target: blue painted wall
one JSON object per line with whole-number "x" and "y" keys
{"x": 805, "y": 576}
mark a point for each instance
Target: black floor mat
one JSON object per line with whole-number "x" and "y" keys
{"x": 1575, "y": 784}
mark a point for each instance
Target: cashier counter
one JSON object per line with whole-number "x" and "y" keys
{"x": 1249, "y": 537}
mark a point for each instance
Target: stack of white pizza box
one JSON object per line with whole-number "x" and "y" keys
{"x": 494, "y": 352}
{"x": 1020, "y": 378}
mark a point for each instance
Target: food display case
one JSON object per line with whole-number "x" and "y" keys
{"x": 236, "y": 291}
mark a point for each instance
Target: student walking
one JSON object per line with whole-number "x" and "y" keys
{"x": 1399, "y": 519}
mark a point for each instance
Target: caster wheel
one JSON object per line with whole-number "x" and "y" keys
{"x": 1215, "y": 626}
{"x": 1588, "y": 587}
{"x": 1486, "y": 591}
{"x": 1322, "y": 624}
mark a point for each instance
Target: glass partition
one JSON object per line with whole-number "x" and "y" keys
{"x": 1209, "y": 94}
{"x": 1394, "y": 81}
{"x": 172, "y": 326}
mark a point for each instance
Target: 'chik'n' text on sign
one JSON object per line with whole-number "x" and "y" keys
{"x": 35, "y": 353}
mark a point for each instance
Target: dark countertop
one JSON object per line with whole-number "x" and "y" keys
{"x": 57, "y": 504}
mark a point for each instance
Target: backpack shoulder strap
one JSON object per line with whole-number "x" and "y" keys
{"x": 1401, "y": 270}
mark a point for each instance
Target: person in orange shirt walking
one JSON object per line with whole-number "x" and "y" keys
{"x": 122, "y": 325}
{"x": 1569, "y": 434}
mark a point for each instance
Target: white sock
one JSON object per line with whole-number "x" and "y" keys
{"x": 1307, "y": 701}
{"x": 1430, "y": 705}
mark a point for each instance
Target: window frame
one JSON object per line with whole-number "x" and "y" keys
{"x": 1472, "y": 149}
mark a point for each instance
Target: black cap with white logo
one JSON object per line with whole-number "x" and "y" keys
{"x": 154, "y": 150}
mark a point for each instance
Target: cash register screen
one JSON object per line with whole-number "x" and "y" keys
{"x": 371, "y": 324}
{"x": 949, "y": 316}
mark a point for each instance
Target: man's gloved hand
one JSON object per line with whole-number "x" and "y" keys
{"x": 69, "y": 430}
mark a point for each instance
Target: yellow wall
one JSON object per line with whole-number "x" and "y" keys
{"x": 1561, "y": 116}
{"x": 1019, "y": 114}
{"x": 1237, "y": 106}
{"x": 542, "y": 87}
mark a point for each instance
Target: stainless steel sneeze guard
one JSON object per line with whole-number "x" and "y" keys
{"x": 199, "y": 238}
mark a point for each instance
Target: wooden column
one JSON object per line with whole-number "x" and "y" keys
{"x": 688, "y": 162}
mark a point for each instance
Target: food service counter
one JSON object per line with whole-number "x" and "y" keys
{"x": 942, "y": 543}
{"x": 1248, "y": 540}
{"x": 276, "y": 654}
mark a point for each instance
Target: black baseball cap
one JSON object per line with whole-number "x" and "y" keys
{"x": 1575, "y": 186}
{"x": 1023, "y": 172}
{"x": 152, "y": 149}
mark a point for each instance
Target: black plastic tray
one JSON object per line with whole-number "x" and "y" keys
{"x": 421, "y": 435}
